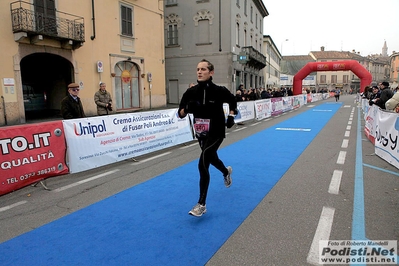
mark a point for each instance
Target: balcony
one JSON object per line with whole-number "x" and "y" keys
{"x": 28, "y": 22}
{"x": 254, "y": 58}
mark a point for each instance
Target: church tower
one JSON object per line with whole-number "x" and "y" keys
{"x": 385, "y": 49}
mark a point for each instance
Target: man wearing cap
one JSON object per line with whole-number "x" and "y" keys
{"x": 71, "y": 106}
{"x": 386, "y": 94}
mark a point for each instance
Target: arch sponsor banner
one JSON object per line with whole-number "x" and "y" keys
{"x": 98, "y": 141}
{"x": 31, "y": 153}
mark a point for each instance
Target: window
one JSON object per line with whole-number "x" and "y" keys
{"x": 171, "y": 2}
{"x": 172, "y": 34}
{"x": 245, "y": 38}
{"x": 256, "y": 20}
{"x": 127, "y": 84}
{"x": 127, "y": 20}
{"x": 245, "y": 7}
{"x": 203, "y": 32}
{"x": 252, "y": 14}
{"x": 238, "y": 34}
{"x": 238, "y": 3}
{"x": 346, "y": 78}
{"x": 322, "y": 79}
{"x": 333, "y": 78}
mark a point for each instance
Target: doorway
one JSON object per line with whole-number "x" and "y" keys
{"x": 44, "y": 83}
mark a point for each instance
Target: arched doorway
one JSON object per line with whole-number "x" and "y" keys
{"x": 353, "y": 65}
{"x": 44, "y": 81}
{"x": 127, "y": 93}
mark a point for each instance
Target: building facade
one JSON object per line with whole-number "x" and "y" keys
{"x": 227, "y": 33}
{"x": 48, "y": 44}
{"x": 271, "y": 72}
{"x": 346, "y": 80}
{"x": 394, "y": 69}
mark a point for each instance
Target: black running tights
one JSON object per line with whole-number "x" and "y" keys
{"x": 208, "y": 156}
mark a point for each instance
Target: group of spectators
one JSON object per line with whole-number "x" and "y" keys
{"x": 72, "y": 107}
{"x": 383, "y": 96}
{"x": 253, "y": 94}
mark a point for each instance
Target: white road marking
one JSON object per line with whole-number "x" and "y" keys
{"x": 292, "y": 129}
{"x": 335, "y": 182}
{"x": 255, "y": 124}
{"x": 241, "y": 128}
{"x": 350, "y": 123}
{"x": 345, "y": 143}
{"x": 152, "y": 158}
{"x": 188, "y": 146}
{"x": 5, "y": 208}
{"x": 348, "y": 127}
{"x": 85, "y": 181}
{"x": 347, "y": 133}
{"x": 341, "y": 157}
{"x": 322, "y": 233}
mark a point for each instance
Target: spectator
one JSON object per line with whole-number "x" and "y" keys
{"x": 265, "y": 94}
{"x": 71, "y": 105}
{"x": 375, "y": 94}
{"x": 239, "y": 97}
{"x": 386, "y": 94}
{"x": 393, "y": 103}
{"x": 103, "y": 100}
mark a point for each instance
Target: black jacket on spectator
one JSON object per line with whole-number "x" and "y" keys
{"x": 70, "y": 108}
{"x": 386, "y": 94}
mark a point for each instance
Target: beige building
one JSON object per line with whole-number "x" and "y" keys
{"x": 47, "y": 44}
{"x": 271, "y": 72}
{"x": 394, "y": 70}
{"x": 344, "y": 80}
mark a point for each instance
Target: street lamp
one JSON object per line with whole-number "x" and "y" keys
{"x": 281, "y": 47}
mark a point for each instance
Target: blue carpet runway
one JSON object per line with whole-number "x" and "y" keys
{"x": 148, "y": 224}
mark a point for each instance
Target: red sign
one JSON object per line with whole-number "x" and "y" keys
{"x": 31, "y": 153}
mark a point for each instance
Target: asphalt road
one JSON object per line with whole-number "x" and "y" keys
{"x": 302, "y": 208}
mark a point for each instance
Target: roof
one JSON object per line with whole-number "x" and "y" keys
{"x": 290, "y": 65}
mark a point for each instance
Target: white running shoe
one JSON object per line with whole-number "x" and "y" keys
{"x": 227, "y": 178}
{"x": 198, "y": 210}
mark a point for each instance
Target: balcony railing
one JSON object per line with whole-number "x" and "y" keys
{"x": 60, "y": 26}
{"x": 256, "y": 59}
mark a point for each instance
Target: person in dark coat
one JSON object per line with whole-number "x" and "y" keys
{"x": 71, "y": 106}
{"x": 205, "y": 101}
{"x": 386, "y": 94}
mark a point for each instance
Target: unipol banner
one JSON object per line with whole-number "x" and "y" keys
{"x": 263, "y": 109}
{"x": 386, "y": 138}
{"x": 30, "y": 153}
{"x": 102, "y": 140}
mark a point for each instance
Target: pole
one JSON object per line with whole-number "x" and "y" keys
{"x": 4, "y": 108}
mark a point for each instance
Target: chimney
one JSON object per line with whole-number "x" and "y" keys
{"x": 322, "y": 48}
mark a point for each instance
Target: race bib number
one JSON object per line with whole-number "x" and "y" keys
{"x": 201, "y": 125}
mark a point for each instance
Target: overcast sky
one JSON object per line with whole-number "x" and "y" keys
{"x": 298, "y": 27}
